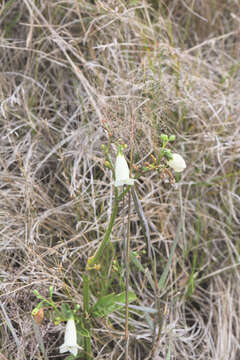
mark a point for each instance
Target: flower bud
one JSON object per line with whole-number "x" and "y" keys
{"x": 107, "y": 164}
{"x": 172, "y": 137}
{"x": 164, "y": 138}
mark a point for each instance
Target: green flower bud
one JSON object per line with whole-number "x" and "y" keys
{"x": 164, "y": 138}
{"x": 107, "y": 164}
{"x": 172, "y": 138}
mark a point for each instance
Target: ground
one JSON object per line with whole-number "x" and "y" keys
{"x": 77, "y": 79}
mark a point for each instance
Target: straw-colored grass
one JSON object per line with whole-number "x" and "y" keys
{"x": 71, "y": 72}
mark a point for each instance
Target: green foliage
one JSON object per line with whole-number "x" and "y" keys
{"x": 169, "y": 353}
{"x": 110, "y": 303}
{"x": 45, "y": 302}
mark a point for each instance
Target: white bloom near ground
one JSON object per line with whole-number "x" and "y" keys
{"x": 70, "y": 339}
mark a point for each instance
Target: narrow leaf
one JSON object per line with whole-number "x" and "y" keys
{"x": 143, "y": 221}
{"x": 169, "y": 353}
{"x": 139, "y": 266}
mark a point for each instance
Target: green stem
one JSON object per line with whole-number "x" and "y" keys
{"x": 161, "y": 153}
{"x": 86, "y": 301}
{"x": 86, "y": 293}
{"x": 127, "y": 261}
{"x": 88, "y": 348}
{"x": 99, "y": 253}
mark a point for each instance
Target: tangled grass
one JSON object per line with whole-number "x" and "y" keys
{"x": 71, "y": 73}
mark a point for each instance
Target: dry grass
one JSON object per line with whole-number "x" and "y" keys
{"x": 71, "y": 69}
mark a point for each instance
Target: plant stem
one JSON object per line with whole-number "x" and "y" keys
{"x": 99, "y": 253}
{"x": 127, "y": 261}
{"x": 86, "y": 300}
{"x": 86, "y": 293}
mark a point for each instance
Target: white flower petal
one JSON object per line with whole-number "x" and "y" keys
{"x": 63, "y": 348}
{"x": 177, "y": 163}
{"x": 124, "y": 182}
{"x": 122, "y": 171}
{"x": 72, "y": 349}
{"x": 70, "y": 339}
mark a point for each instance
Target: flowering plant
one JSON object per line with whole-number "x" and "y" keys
{"x": 177, "y": 163}
{"x": 122, "y": 170}
{"x": 70, "y": 339}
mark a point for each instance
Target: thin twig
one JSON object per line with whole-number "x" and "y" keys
{"x": 9, "y": 324}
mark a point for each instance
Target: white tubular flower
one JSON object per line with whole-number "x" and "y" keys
{"x": 70, "y": 339}
{"x": 177, "y": 163}
{"x": 122, "y": 171}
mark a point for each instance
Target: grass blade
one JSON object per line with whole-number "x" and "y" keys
{"x": 143, "y": 221}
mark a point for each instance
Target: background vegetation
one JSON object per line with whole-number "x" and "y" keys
{"x": 69, "y": 71}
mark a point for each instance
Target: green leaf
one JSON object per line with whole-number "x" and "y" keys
{"x": 143, "y": 221}
{"x": 110, "y": 303}
{"x": 36, "y": 293}
{"x": 169, "y": 353}
{"x": 7, "y": 6}
{"x": 139, "y": 266}
{"x": 51, "y": 292}
{"x": 144, "y": 309}
{"x": 82, "y": 330}
{"x": 67, "y": 312}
